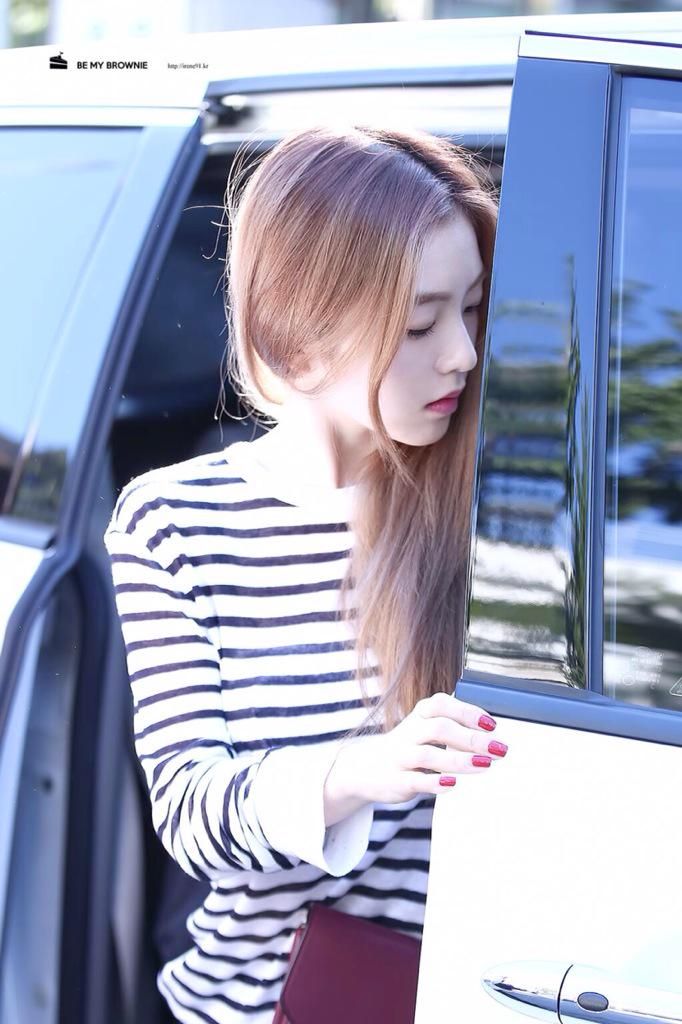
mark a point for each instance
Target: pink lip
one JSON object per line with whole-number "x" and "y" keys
{"x": 447, "y": 398}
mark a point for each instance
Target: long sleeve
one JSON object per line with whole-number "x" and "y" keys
{"x": 201, "y": 794}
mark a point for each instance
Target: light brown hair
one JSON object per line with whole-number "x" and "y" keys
{"x": 327, "y": 233}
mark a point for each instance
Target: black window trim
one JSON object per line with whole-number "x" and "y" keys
{"x": 550, "y": 703}
{"x": 569, "y": 708}
{"x": 595, "y": 652}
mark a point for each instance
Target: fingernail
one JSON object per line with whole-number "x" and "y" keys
{"x": 495, "y": 747}
{"x": 481, "y": 761}
{"x": 486, "y": 722}
{"x": 447, "y": 780}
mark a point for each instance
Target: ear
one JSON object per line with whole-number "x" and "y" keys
{"x": 309, "y": 376}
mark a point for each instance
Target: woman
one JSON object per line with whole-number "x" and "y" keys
{"x": 293, "y": 606}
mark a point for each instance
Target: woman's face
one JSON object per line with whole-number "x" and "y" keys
{"x": 437, "y": 352}
{"x": 434, "y": 358}
{"x": 435, "y": 355}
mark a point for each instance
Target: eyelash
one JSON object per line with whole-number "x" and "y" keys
{"x": 428, "y": 330}
{"x": 423, "y": 333}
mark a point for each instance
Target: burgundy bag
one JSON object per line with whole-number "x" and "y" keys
{"x": 345, "y": 968}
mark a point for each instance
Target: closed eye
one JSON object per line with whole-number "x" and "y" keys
{"x": 423, "y": 331}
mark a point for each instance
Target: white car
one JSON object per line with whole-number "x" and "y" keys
{"x": 553, "y": 889}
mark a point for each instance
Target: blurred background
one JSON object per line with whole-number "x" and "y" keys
{"x": 39, "y": 22}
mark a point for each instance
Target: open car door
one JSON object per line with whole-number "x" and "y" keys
{"x": 553, "y": 889}
{"x": 96, "y": 189}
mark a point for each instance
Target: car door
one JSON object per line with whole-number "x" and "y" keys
{"x": 553, "y": 888}
{"x": 87, "y": 205}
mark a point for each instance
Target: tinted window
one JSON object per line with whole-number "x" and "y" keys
{"x": 176, "y": 361}
{"x": 643, "y": 532}
{"x": 56, "y": 188}
{"x": 529, "y": 595}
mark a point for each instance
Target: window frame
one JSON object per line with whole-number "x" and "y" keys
{"x": 603, "y": 356}
{"x": 550, "y": 702}
{"x": 107, "y": 307}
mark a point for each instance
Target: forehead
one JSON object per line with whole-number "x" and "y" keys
{"x": 451, "y": 256}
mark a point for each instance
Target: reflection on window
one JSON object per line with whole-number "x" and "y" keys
{"x": 643, "y": 538}
{"x": 528, "y": 598}
{"x": 56, "y": 191}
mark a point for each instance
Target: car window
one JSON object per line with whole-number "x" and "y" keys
{"x": 56, "y": 188}
{"x": 175, "y": 363}
{"x": 529, "y": 598}
{"x": 643, "y": 526}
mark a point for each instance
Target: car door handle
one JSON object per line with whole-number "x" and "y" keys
{"x": 553, "y": 991}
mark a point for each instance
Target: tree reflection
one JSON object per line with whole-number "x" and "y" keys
{"x": 535, "y": 471}
{"x": 648, "y": 405}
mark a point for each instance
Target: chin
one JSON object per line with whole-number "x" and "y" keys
{"x": 422, "y": 438}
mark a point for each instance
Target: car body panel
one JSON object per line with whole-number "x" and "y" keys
{"x": 549, "y": 863}
{"x": 561, "y": 854}
{"x": 18, "y": 566}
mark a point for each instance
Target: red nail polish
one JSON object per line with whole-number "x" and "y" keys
{"x": 486, "y": 722}
{"x": 447, "y": 780}
{"x": 495, "y": 747}
{"x": 481, "y": 761}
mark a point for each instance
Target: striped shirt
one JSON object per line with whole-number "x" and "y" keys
{"x": 226, "y": 581}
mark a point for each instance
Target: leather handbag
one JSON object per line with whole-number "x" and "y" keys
{"x": 344, "y": 968}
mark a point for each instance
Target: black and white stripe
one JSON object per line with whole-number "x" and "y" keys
{"x": 227, "y": 598}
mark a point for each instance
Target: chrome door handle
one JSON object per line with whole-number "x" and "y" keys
{"x": 529, "y": 986}
{"x": 560, "y": 992}
{"x": 585, "y": 989}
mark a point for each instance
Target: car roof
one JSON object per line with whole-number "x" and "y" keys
{"x": 474, "y": 50}
{"x": 466, "y": 49}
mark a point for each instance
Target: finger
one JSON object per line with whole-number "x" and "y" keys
{"x": 421, "y": 782}
{"x": 451, "y": 761}
{"x": 444, "y": 732}
{"x": 449, "y": 706}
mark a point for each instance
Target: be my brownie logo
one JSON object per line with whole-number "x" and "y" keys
{"x": 60, "y": 63}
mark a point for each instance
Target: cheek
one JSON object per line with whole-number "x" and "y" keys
{"x": 400, "y": 386}
{"x": 407, "y": 369}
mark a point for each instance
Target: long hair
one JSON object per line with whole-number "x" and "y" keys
{"x": 326, "y": 234}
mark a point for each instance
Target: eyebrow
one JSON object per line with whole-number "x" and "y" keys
{"x": 425, "y": 297}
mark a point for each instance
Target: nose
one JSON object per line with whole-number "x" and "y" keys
{"x": 460, "y": 354}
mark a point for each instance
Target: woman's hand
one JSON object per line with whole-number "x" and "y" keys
{"x": 441, "y": 737}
